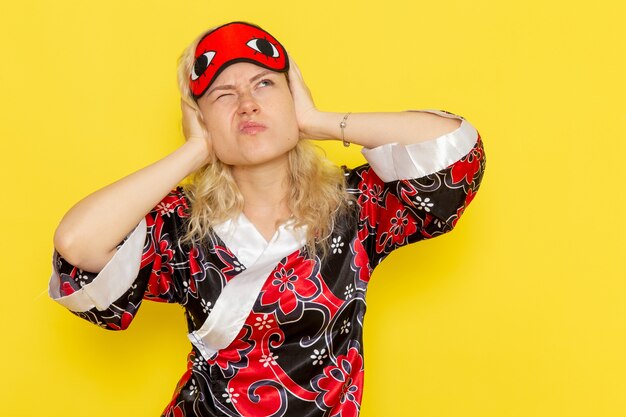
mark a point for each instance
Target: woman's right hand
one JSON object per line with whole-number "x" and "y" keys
{"x": 195, "y": 131}
{"x": 90, "y": 232}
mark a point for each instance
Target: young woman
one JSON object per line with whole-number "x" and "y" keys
{"x": 270, "y": 247}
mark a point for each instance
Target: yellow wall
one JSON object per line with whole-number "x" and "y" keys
{"x": 520, "y": 312}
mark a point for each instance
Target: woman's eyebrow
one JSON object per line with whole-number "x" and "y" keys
{"x": 232, "y": 87}
{"x": 221, "y": 87}
{"x": 260, "y": 74}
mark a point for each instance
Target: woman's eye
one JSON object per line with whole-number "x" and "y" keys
{"x": 265, "y": 83}
{"x": 222, "y": 96}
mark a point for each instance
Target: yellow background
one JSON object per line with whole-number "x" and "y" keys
{"x": 520, "y": 312}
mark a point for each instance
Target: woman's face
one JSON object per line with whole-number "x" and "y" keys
{"x": 250, "y": 115}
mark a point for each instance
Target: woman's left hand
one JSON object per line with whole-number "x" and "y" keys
{"x": 306, "y": 112}
{"x": 366, "y": 129}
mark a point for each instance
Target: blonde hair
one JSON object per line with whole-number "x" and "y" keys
{"x": 317, "y": 194}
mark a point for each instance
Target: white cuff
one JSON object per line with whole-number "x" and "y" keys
{"x": 392, "y": 162}
{"x": 111, "y": 283}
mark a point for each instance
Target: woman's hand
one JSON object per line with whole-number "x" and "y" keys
{"x": 306, "y": 112}
{"x": 366, "y": 129}
{"x": 195, "y": 132}
{"x": 90, "y": 232}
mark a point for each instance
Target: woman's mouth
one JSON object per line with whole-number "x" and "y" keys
{"x": 251, "y": 128}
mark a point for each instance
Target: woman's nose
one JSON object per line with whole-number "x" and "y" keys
{"x": 247, "y": 104}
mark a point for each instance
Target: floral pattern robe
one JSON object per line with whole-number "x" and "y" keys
{"x": 274, "y": 332}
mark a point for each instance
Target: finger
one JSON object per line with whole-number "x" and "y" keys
{"x": 294, "y": 68}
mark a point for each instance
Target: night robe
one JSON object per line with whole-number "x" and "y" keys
{"x": 273, "y": 331}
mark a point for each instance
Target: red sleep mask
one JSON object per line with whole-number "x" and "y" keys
{"x": 231, "y": 43}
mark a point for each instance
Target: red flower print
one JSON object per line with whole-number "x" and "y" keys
{"x": 124, "y": 322}
{"x": 341, "y": 386}
{"x": 194, "y": 266}
{"x": 174, "y": 202}
{"x": 467, "y": 167}
{"x": 397, "y": 228}
{"x": 160, "y": 254}
{"x": 372, "y": 197}
{"x": 235, "y": 356}
{"x": 174, "y": 410}
{"x": 232, "y": 266}
{"x": 459, "y": 212}
{"x": 288, "y": 286}
{"x": 372, "y": 193}
{"x": 66, "y": 287}
{"x": 360, "y": 261}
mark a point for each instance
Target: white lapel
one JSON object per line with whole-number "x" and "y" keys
{"x": 235, "y": 302}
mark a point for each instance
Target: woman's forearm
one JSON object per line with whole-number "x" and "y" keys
{"x": 375, "y": 129}
{"x": 88, "y": 234}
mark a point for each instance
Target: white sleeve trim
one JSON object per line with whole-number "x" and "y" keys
{"x": 392, "y": 162}
{"x": 111, "y": 283}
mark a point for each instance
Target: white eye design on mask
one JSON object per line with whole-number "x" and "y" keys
{"x": 264, "y": 46}
{"x": 201, "y": 64}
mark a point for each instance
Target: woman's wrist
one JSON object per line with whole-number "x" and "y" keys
{"x": 323, "y": 125}
{"x": 196, "y": 153}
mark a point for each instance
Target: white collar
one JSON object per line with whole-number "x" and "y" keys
{"x": 236, "y": 300}
{"x": 248, "y": 244}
